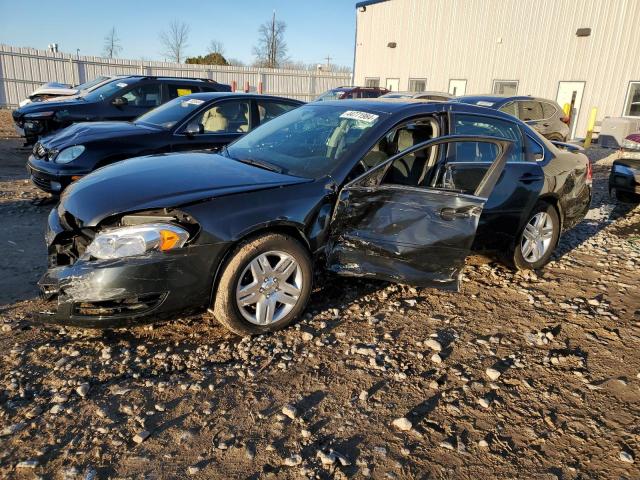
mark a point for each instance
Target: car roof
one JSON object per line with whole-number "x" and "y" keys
{"x": 499, "y": 99}
{"x": 169, "y": 79}
{"x": 410, "y": 106}
{"x": 206, "y": 96}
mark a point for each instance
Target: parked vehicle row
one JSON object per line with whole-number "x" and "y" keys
{"x": 122, "y": 98}
{"x": 201, "y": 121}
{"x": 396, "y": 190}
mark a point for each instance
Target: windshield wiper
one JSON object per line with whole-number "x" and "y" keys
{"x": 260, "y": 164}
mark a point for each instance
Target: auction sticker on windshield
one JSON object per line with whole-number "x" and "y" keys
{"x": 191, "y": 101}
{"x": 361, "y": 116}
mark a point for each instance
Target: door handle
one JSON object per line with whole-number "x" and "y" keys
{"x": 449, "y": 213}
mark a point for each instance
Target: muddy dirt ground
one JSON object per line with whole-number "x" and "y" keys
{"x": 520, "y": 375}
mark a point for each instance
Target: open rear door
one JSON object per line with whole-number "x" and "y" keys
{"x": 387, "y": 225}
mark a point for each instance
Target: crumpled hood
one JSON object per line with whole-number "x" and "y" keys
{"x": 53, "y": 104}
{"x": 163, "y": 181}
{"x": 83, "y": 133}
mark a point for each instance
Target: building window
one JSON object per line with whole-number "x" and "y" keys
{"x": 371, "y": 82}
{"x": 505, "y": 87}
{"x": 417, "y": 84}
{"x": 632, "y": 104}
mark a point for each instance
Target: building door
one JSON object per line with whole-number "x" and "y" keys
{"x": 393, "y": 84}
{"x": 569, "y": 98}
{"x": 457, "y": 87}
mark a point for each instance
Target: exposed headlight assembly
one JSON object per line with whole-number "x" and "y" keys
{"x": 69, "y": 154}
{"x": 624, "y": 170}
{"x": 137, "y": 240}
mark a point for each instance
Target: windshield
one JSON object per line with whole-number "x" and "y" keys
{"x": 308, "y": 141}
{"x": 167, "y": 115}
{"x": 105, "y": 91}
{"x": 331, "y": 95}
{"x": 91, "y": 83}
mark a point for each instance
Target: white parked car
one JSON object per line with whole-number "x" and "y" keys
{"x": 55, "y": 90}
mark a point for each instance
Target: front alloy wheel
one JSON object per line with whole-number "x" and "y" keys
{"x": 269, "y": 287}
{"x": 538, "y": 238}
{"x": 264, "y": 286}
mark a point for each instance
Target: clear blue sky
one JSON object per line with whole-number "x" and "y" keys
{"x": 315, "y": 28}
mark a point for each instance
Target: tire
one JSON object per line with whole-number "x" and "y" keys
{"x": 525, "y": 258}
{"x": 258, "y": 286}
{"x": 627, "y": 197}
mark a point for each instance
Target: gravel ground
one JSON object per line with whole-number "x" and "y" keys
{"x": 520, "y": 375}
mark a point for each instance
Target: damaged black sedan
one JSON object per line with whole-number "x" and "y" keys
{"x": 398, "y": 191}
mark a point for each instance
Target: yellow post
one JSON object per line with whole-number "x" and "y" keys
{"x": 590, "y": 125}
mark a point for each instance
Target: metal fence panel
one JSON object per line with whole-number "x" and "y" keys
{"x": 24, "y": 69}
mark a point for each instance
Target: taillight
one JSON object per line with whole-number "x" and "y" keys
{"x": 566, "y": 120}
{"x": 589, "y": 180}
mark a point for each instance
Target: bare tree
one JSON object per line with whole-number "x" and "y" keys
{"x": 112, "y": 45}
{"x": 216, "y": 46}
{"x": 271, "y": 49}
{"x": 174, "y": 41}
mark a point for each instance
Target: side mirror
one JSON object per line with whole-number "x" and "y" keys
{"x": 194, "y": 128}
{"x": 119, "y": 102}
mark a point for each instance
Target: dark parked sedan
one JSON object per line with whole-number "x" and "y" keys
{"x": 624, "y": 178}
{"x": 193, "y": 122}
{"x": 379, "y": 189}
{"x": 545, "y": 116}
{"x": 124, "y": 98}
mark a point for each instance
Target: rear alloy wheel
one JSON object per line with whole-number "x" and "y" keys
{"x": 538, "y": 238}
{"x": 264, "y": 286}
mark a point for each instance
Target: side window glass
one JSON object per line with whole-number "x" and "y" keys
{"x": 268, "y": 110}
{"x": 227, "y": 117}
{"x": 534, "y": 149}
{"x": 510, "y": 108}
{"x": 490, "y": 127}
{"x": 399, "y": 139}
{"x": 530, "y": 111}
{"x": 464, "y": 165}
{"x": 144, "y": 96}
{"x": 548, "y": 110}
{"x": 176, "y": 91}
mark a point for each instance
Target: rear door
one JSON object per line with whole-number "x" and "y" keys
{"x": 518, "y": 187}
{"x": 219, "y": 124}
{"x": 269, "y": 109}
{"x": 390, "y": 224}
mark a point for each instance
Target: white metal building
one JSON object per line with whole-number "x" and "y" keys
{"x": 545, "y": 48}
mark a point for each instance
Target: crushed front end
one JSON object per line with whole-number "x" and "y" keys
{"x": 110, "y": 292}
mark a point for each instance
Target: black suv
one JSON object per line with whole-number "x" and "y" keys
{"x": 125, "y": 98}
{"x": 543, "y": 115}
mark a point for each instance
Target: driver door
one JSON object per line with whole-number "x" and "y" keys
{"x": 393, "y": 223}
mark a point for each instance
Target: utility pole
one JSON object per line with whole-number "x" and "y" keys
{"x": 328, "y": 58}
{"x": 272, "y": 52}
